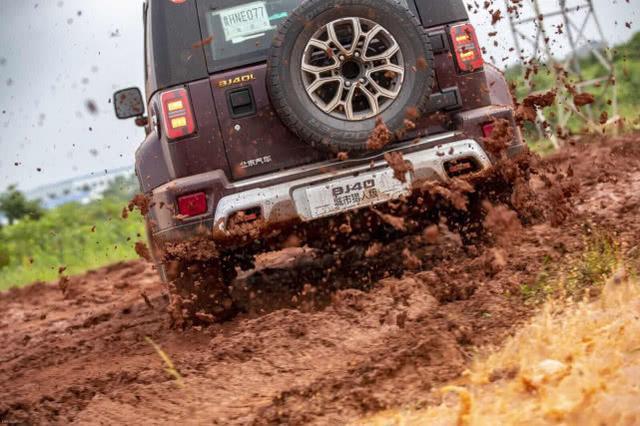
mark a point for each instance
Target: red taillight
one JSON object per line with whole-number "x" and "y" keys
{"x": 177, "y": 115}
{"x": 193, "y": 204}
{"x": 487, "y": 130}
{"x": 466, "y": 48}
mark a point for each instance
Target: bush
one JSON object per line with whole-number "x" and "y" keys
{"x": 15, "y": 206}
{"x": 79, "y": 237}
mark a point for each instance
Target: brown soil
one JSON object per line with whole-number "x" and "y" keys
{"x": 380, "y": 136}
{"x": 526, "y": 111}
{"x": 82, "y": 357}
{"x": 398, "y": 164}
{"x": 582, "y": 99}
{"x": 143, "y": 251}
{"x": 500, "y": 138}
{"x": 140, "y": 202}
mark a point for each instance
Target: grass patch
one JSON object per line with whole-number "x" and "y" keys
{"x": 79, "y": 237}
{"x": 598, "y": 260}
{"x": 542, "y": 147}
{"x": 541, "y": 288}
{"x": 582, "y": 278}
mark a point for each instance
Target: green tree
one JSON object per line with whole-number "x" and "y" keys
{"x": 15, "y": 206}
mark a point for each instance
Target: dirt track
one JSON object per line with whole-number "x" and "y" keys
{"x": 83, "y": 358}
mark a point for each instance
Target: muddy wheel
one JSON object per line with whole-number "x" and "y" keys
{"x": 336, "y": 67}
{"x": 199, "y": 292}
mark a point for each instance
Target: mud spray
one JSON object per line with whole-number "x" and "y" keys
{"x": 349, "y": 347}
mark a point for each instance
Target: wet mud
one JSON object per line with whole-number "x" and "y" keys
{"x": 321, "y": 349}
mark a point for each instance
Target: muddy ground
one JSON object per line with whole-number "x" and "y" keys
{"x": 83, "y": 358}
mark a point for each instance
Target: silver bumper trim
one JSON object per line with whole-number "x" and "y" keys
{"x": 277, "y": 203}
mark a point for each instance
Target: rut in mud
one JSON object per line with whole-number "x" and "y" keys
{"x": 82, "y": 356}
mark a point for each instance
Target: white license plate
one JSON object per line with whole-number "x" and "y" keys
{"x": 245, "y": 21}
{"x": 352, "y": 193}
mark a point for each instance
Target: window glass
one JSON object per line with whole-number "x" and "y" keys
{"x": 240, "y": 33}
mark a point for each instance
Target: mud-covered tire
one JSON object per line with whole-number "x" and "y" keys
{"x": 198, "y": 292}
{"x": 295, "y": 106}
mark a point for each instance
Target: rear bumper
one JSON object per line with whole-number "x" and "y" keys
{"x": 278, "y": 196}
{"x": 284, "y": 202}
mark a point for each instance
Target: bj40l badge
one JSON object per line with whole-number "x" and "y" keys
{"x": 236, "y": 80}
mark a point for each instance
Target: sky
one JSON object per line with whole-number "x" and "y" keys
{"x": 58, "y": 56}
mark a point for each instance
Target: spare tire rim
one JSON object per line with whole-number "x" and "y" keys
{"x": 352, "y": 69}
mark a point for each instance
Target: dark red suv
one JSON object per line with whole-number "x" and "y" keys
{"x": 266, "y": 117}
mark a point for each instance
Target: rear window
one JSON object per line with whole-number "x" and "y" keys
{"x": 172, "y": 32}
{"x": 238, "y": 33}
{"x": 438, "y": 12}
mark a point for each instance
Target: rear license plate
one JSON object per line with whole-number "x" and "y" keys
{"x": 352, "y": 193}
{"x": 245, "y": 21}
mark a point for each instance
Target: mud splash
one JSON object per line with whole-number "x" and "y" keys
{"x": 527, "y": 110}
{"x": 83, "y": 358}
{"x": 380, "y": 136}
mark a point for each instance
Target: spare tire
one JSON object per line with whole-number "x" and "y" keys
{"x": 338, "y": 66}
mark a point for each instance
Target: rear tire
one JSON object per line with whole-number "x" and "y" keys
{"x": 311, "y": 110}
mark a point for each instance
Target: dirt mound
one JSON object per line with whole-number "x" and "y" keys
{"x": 82, "y": 356}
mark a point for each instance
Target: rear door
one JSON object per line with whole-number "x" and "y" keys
{"x": 237, "y": 36}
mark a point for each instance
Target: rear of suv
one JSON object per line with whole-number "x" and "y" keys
{"x": 274, "y": 118}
